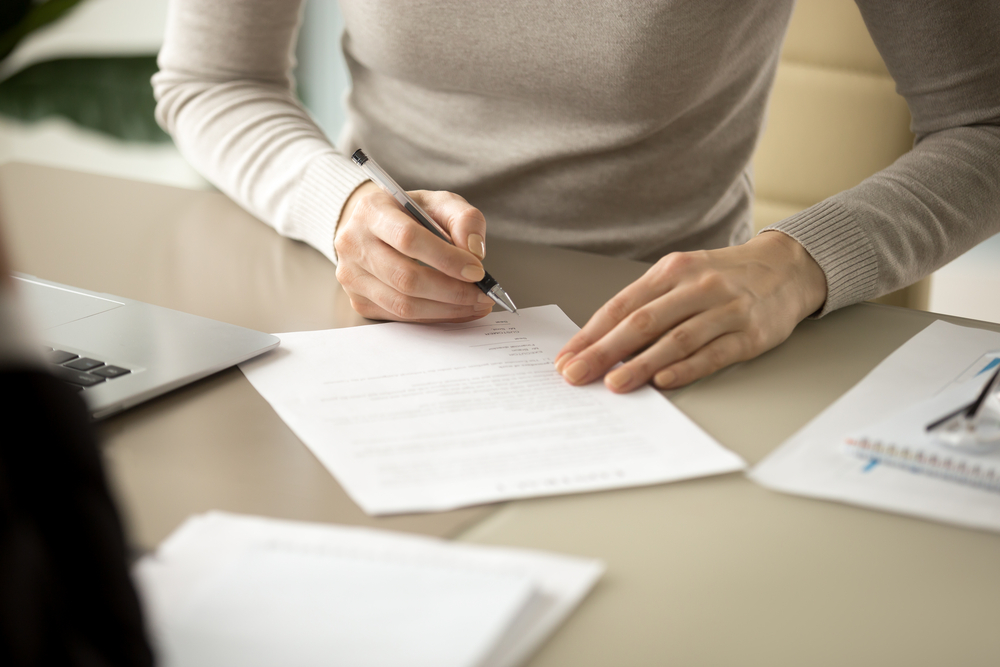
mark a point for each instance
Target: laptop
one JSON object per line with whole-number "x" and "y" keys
{"x": 118, "y": 352}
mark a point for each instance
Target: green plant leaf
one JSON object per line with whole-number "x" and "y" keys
{"x": 111, "y": 95}
{"x": 38, "y": 16}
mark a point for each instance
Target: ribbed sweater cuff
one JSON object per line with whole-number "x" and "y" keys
{"x": 320, "y": 198}
{"x": 830, "y": 234}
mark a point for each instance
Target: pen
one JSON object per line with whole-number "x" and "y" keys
{"x": 488, "y": 284}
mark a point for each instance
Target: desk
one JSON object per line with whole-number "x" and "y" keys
{"x": 712, "y": 571}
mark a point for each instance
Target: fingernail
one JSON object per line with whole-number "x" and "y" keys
{"x": 664, "y": 379}
{"x": 473, "y": 272}
{"x": 576, "y": 371}
{"x": 485, "y": 299}
{"x": 563, "y": 359}
{"x": 620, "y": 378}
{"x": 477, "y": 246}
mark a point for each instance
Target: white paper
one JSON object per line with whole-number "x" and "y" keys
{"x": 431, "y": 417}
{"x": 813, "y": 461}
{"x": 902, "y": 439}
{"x": 236, "y": 590}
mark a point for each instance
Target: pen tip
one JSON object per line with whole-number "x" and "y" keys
{"x": 500, "y": 296}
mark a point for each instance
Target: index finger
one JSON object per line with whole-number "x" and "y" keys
{"x": 463, "y": 221}
{"x": 610, "y": 315}
{"x": 401, "y": 231}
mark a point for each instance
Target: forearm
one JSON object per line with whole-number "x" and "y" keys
{"x": 942, "y": 197}
{"x": 224, "y": 93}
{"x": 904, "y": 222}
{"x": 933, "y": 204}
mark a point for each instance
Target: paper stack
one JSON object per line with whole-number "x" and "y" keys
{"x": 226, "y": 589}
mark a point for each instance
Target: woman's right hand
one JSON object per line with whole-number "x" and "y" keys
{"x": 394, "y": 269}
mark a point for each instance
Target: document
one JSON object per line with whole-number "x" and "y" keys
{"x": 903, "y": 439}
{"x": 814, "y": 461}
{"x": 413, "y": 418}
{"x": 242, "y": 591}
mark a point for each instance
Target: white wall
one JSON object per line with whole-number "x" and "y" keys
{"x": 970, "y": 285}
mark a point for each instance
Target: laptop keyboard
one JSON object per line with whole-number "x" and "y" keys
{"x": 82, "y": 372}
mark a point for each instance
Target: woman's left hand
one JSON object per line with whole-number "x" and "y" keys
{"x": 693, "y": 313}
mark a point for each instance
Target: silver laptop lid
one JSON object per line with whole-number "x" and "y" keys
{"x": 143, "y": 350}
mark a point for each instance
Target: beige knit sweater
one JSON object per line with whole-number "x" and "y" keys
{"x": 617, "y": 127}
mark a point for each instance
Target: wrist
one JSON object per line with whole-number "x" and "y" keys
{"x": 359, "y": 193}
{"x": 347, "y": 210}
{"x": 805, "y": 275}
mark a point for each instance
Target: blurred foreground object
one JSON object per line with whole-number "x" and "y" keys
{"x": 65, "y": 593}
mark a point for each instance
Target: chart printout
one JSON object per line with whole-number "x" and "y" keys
{"x": 413, "y": 417}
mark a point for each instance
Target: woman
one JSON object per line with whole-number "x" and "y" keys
{"x": 624, "y": 128}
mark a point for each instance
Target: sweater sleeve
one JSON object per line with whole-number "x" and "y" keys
{"x": 225, "y": 94}
{"x": 942, "y": 197}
